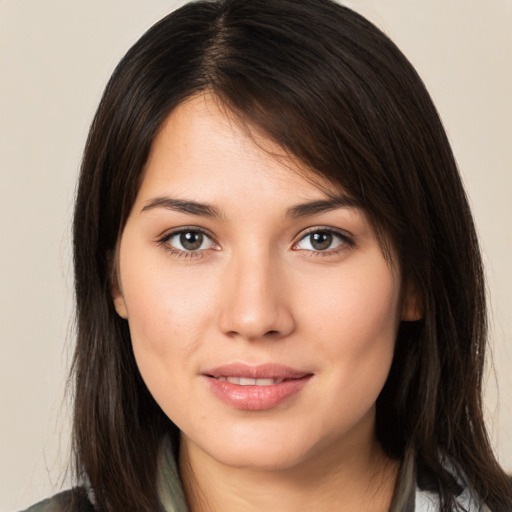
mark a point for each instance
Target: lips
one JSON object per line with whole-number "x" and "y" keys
{"x": 261, "y": 371}
{"x": 255, "y": 388}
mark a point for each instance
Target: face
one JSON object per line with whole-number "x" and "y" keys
{"x": 262, "y": 312}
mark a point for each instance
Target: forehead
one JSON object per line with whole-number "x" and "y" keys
{"x": 202, "y": 144}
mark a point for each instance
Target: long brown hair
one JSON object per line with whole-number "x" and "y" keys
{"x": 332, "y": 90}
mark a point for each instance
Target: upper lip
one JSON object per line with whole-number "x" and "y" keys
{"x": 260, "y": 371}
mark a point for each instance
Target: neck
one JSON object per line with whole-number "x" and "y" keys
{"x": 361, "y": 479}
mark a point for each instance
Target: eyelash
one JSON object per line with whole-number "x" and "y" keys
{"x": 179, "y": 253}
{"x": 346, "y": 242}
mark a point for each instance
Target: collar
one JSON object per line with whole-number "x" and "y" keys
{"x": 170, "y": 490}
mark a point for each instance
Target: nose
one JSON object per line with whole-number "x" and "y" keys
{"x": 256, "y": 304}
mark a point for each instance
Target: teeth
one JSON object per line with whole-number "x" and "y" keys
{"x": 244, "y": 381}
{"x": 267, "y": 382}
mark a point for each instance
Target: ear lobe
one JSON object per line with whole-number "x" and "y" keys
{"x": 412, "y": 308}
{"x": 118, "y": 299}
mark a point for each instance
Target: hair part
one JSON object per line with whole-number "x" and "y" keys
{"x": 334, "y": 92}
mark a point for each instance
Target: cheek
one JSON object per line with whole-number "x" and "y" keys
{"x": 355, "y": 326}
{"x": 169, "y": 311}
{"x": 165, "y": 310}
{"x": 361, "y": 302}
{"x": 165, "y": 328}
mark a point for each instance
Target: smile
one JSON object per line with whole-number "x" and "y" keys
{"x": 255, "y": 388}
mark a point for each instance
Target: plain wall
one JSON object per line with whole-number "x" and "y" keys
{"x": 55, "y": 59}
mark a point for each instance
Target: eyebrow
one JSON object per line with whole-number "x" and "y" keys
{"x": 320, "y": 206}
{"x": 182, "y": 206}
{"x": 207, "y": 210}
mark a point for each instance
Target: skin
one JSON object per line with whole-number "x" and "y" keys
{"x": 258, "y": 291}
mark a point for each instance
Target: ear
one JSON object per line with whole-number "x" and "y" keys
{"x": 117, "y": 297}
{"x": 412, "y": 307}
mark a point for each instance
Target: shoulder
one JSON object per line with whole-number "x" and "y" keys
{"x": 74, "y": 500}
{"x": 427, "y": 498}
{"x": 427, "y": 501}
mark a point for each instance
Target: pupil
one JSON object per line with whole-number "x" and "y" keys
{"x": 321, "y": 241}
{"x": 191, "y": 240}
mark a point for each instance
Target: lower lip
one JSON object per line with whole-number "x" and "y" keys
{"x": 256, "y": 398}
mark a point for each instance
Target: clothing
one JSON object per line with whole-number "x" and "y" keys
{"x": 410, "y": 496}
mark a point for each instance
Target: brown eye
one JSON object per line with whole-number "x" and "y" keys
{"x": 321, "y": 240}
{"x": 191, "y": 240}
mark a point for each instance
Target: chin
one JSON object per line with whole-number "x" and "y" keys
{"x": 260, "y": 451}
{"x": 258, "y": 458}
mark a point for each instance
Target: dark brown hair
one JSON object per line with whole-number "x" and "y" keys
{"x": 335, "y": 92}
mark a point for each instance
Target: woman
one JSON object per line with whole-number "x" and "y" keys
{"x": 279, "y": 292}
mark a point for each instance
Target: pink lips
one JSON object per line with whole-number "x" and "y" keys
{"x": 255, "y": 388}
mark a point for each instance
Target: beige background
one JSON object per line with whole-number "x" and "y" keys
{"x": 55, "y": 58}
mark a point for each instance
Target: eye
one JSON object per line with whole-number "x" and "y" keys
{"x": 189, "y": 240}
{"x": 322, "y": 240}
